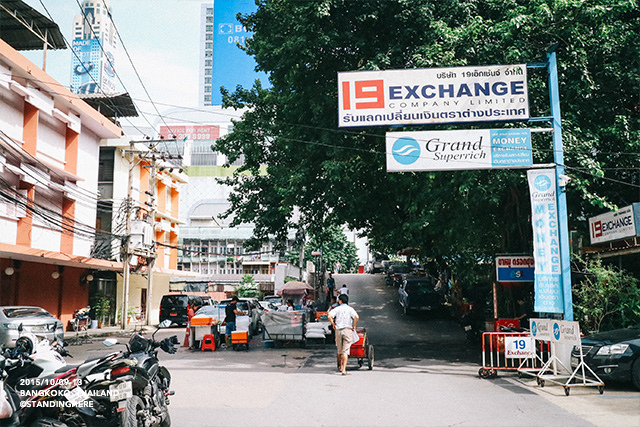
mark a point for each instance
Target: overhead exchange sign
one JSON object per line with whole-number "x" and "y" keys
{"x": 433, "y": 95}
{"x": 616, "y": 225}
{"x": 458, "y": 149}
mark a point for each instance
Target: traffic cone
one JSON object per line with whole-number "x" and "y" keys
{"x": 186, "y": 336}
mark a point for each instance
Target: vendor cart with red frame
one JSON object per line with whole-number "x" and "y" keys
{"x": 362, "y": 349}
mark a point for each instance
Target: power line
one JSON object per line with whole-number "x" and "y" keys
{"x": 80, "y": 61}
{"x": 135, "y": 70}
{"x": 97, "y": 38}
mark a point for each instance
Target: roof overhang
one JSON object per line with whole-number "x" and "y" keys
{"x": 56, "y": 258}
{"x": 24, "y": 28}
{"x": 113, "y": 106}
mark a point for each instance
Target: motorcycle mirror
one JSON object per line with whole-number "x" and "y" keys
{"x": 164, "y": 324}
{"x": 20, "y": 327}
{"x": 110, "y": 342}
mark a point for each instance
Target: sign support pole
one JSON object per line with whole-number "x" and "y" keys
{"x": 558, "y": 156}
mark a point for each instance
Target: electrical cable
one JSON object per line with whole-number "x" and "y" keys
{"x": 92, "y": 78}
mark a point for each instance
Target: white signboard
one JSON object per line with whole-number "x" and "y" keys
{"x": 519, "y": 347}
{"x": 433, "y": 95}
{"x": 562, "y": 331}
{"x": 613, "y": 225}
{"x": 458, "y": 149}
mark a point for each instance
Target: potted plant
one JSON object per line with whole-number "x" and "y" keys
{"x": 102, "y": 308}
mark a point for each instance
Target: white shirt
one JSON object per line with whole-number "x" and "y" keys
{"x": 344, "y": 291}
{"x": 343, "y": 316}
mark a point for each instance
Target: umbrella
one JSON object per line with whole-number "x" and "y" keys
{"x": 295, "y": 287}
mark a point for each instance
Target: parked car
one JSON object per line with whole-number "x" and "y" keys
{"x": 419, "y": 293}
{"x": 274, "y": 299}
{"x": 253, "y": 310}
{"x": 612, "y": 355}
{"x": 396, "y": 274}
{"x": 268, "y": 306}
{"x": 207, "y": 300}
{"x": 35, "y": 320}
{"x": 174, "y": 307}
{"x": 376, "y": 267}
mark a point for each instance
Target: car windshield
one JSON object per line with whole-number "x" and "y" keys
{"x": 174, "y": 300}
{"x": 208, "y": 310}
{"x": 419, "y": 286}
{"x": 241, "y": 305}
{"x": 19, "y": 312}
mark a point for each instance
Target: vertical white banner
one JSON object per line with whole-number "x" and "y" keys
{"x": 546, "y": 241}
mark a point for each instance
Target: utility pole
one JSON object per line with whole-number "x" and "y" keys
{"x": 126, "y": 256}
{"x": 151, "y": 260}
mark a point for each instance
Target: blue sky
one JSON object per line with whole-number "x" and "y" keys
{"x": 162, "y": 38}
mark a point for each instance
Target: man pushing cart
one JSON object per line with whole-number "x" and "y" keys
{"x": 344, "y": 319}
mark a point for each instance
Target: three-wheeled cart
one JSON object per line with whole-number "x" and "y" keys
{"x": 285, "y": 326}
{"x": 362, "y": 349}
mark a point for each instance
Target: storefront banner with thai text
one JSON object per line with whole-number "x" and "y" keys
{"x": 433, "y": 95}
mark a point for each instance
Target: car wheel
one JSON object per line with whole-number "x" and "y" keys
{"x": 635, "y": 373}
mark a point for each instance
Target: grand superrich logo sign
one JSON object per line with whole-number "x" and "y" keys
{"x": 458, "y": 149}
{"x": 433, "y": 95}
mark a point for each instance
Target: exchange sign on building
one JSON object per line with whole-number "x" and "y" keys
{"x": 611, "y": 226}
{"x": 433, "y": 95}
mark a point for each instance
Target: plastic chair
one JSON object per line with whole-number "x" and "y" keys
{"x": 208, "y": 342}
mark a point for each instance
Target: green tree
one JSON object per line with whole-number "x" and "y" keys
{"x": 606, "y": 297}
{"x": 248, "y": 288}
{"x": 335, "y": 248}
{"x": 460, "y": 219}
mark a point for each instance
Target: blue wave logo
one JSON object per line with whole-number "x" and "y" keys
{"x": 405, "y": 150}
{"x": 556, "y": 331}
{"x": 542, "y": 183}
{"x": 534, "y": 329}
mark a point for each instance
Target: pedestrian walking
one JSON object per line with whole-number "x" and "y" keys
{"x": 331, "y": 287}
{"x": 344, "y": 320}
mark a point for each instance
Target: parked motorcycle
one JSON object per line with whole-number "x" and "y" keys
{"x": 151, "y": 381}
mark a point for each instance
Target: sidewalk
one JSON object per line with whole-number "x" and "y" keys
{"x": 110, "y": 331}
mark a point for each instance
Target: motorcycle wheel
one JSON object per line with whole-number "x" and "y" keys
{"x": 166, "y": 422}
{"x": 128, "y": 417}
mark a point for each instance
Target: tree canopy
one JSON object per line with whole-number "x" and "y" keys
{"x": 335, "y": 176}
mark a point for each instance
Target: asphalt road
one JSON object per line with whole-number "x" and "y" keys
{"x": 425, "y": 374}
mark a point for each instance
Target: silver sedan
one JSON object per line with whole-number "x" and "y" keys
{"x": 35, "y": 320}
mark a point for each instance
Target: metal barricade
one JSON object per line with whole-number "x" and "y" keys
{"x": 495, "y": 356}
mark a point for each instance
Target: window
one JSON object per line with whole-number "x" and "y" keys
{"x": 209, "y": 28}
{"x": 207, "y": 99}
{"x": 208, "y": 45}
{"x": 209, "y": 19}
{"x": 207, "y": 80}
{"x": 209, "y": 36}
{"x": 207, "y": 62}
